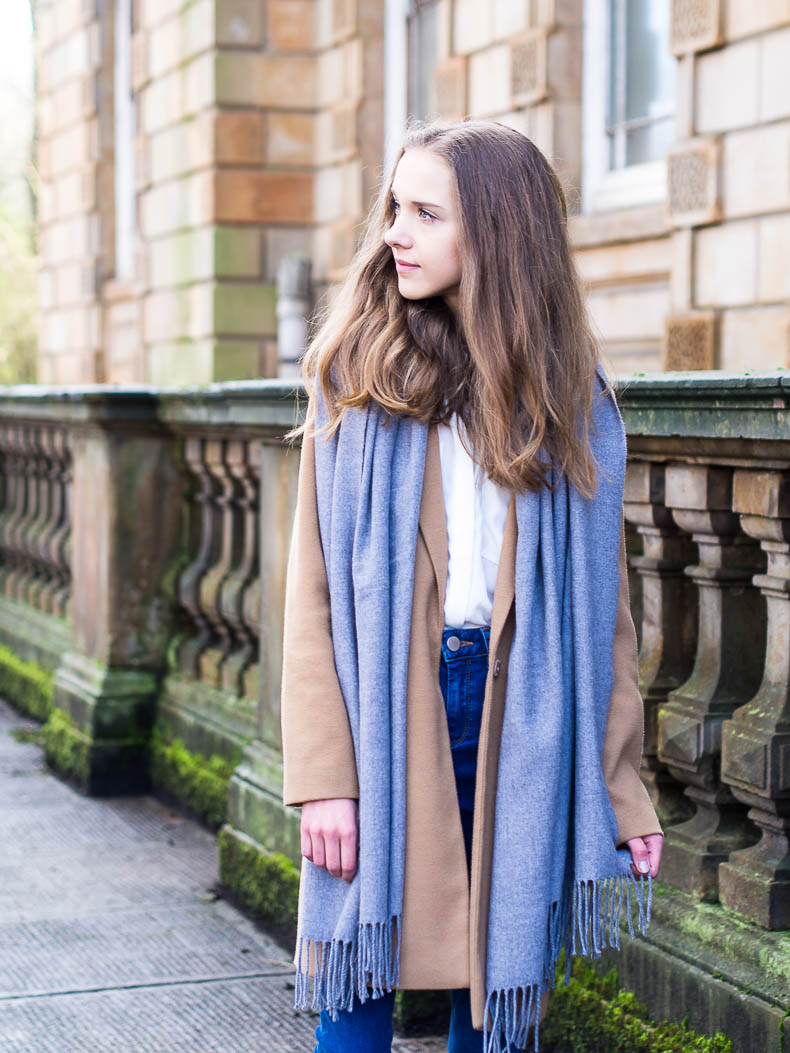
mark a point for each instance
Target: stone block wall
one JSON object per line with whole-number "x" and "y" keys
{"x": 729, "y": 187}
{"x": 257, "y": 133}
{"x": 72, "y": 169}
{"x": 260, "y": 132}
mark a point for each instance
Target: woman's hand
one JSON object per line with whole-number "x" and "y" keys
{"x": 329, "y": 835}
{"x": 646, "y": 853}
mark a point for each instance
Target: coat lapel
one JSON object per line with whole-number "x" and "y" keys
{"x": 433, "y": 526}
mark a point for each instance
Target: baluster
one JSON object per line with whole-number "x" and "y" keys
{"x": 10, "y": 480}
{"x": 21, "y": 497}
{"x": 59, "y": 543}
{"x": 214, "y": 656}
{"x": 25, "y": 524}
{"x": 727, "y": 667}
{"x": 245, "y": 570}
{"x": 192, "y": 576}
{"x": 668, "y": 622}
{"x": 756, "y": 740}
{"x": 49, "y": 579}
{"x": 41, "y": 521}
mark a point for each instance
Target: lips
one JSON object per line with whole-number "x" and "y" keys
{"x": 403, "y": 265}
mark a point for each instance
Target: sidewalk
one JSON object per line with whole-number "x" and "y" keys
{"x": 112, "y": 938}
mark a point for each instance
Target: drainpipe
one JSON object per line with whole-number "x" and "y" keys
{"x": 293, "y": 308}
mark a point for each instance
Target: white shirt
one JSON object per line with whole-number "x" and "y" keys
{"x": 475, "y": 510}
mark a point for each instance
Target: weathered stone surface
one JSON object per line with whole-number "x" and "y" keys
{"x": 112, "y": 917}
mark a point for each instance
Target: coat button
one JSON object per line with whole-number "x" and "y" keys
{"x": 497, "y": 667}
{"x": 453, "y": 643}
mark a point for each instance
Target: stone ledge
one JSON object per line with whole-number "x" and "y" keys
{"x": 705, "y": 962}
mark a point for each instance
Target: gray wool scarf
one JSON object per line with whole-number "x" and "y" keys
{"x": 557, "y": 877}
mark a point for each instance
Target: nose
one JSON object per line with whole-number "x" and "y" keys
{"x": 397, "y": 236}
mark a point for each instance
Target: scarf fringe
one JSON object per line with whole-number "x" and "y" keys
{"x": 345, "y": 968}
{"x": 591, "y": 914}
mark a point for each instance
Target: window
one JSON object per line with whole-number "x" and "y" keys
{"x": 411, "y": 52}
{"x": 423, "y": 43}
{"x": 628, "y": 100}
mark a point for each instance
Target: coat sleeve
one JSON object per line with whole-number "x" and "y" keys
{"x": 624, "y": 738}
{"x": 318, "y": 750}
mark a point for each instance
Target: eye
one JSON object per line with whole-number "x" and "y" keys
{"x": 429, "y": 216}
{"x": 395, "y": 206}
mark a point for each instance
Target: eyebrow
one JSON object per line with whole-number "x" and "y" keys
{"x": 423, "y": 204}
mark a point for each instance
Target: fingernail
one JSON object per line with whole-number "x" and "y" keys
{"x": 644, "y": 866}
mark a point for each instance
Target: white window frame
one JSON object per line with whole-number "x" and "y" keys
{"x": 604, "y": 190}
{"x": 396, "y": 77}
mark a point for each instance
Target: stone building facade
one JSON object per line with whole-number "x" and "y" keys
{"x": 187, "y": 147}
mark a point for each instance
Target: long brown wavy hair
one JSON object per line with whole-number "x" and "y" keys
{"x": 516, "y": 360}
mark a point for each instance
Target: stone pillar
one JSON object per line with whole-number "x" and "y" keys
{"x": 126, "y": 527}
{"x": 756, "y": 741}
{"x": 668, "y": 620}
{"x": 730, "y": 646}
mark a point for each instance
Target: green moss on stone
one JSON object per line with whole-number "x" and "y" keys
{"x": 199, "y": 783}
{"x": 591, "y": 1015}
{"x": 67, "y": 747}
{"x": 25, "y": 684}
{"x": 265, "y": 884}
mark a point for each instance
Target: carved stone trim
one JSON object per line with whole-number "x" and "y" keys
{"x": 344, "y": 17}
{"x": 528, "y": 75}
{"x": 689, "y": 341}
{"x": 696, "y": 25}
{"x": 448, "y": 88}
{"x": 693, "y": 183}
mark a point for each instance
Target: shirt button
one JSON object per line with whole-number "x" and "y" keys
{"x": 453, "y": 643}
{"x": 497, "y": 667}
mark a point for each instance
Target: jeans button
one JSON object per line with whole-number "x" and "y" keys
{"x": 497, "y": 667}
{"x": 453, "y": 643}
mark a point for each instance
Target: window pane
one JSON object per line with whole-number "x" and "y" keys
{"x": 423, "y": 50}
{"x": 650, "y": 142}
{"x": 641, "y": 87}
{"x": 649, "y": 71}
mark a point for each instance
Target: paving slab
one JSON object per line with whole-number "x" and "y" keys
{"x": 113, "y": 936}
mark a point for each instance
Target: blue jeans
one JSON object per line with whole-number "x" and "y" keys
{"x": 367, "y": 1028}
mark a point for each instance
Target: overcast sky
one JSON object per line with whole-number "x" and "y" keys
{"x": 16, "y": 96}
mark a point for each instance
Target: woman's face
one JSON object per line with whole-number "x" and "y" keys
{"x": 424, "y": 233}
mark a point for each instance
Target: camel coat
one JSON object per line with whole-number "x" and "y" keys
{"x": 444, "y": 926}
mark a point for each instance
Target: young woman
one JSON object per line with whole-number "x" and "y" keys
{"x": 462, "y": 725}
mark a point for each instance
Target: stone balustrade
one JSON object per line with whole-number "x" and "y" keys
{"x": 143, "y": 544}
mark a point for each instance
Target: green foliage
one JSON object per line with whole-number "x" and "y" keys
{"x": 25, "y": 684}
{"x": 265, "y": 884}
{"x": 200, "y": 783}
{"x": 591, "y": 1015}
{"x": 66, "y": 747}
{"x": 18, "y": 304}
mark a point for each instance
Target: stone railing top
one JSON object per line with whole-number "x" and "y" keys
{"x": 728, "y": 413}
{"x": 268, "y": 405}
{"x": 707, "y": 404}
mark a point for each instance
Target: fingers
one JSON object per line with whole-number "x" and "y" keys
{"x": 306, "y": 840}
{"x": 655, "y": 843}
{"x": 348, "y": 855}
{"x": 640, "y": 856}
{"x": 329, "y": 836}
{"x": 646, "y": 854}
